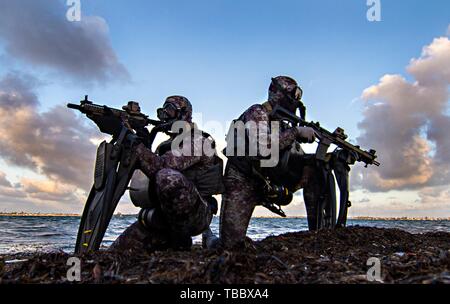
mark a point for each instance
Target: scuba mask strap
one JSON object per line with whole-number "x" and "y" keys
{"x": 302, "y": 109}
{"x": 300, "y": 104}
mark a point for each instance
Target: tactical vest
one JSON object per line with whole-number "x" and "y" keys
{"x": 208, "y": 181}
{"x": 288, "y": 171}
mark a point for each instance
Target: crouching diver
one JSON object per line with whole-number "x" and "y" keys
{"x": 175, "y": 185}
{"x": 248, "y": 184}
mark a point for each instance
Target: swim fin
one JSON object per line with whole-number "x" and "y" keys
{"x": 114, "y": 168}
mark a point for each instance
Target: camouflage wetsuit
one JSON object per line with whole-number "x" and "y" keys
{"x": 184, "y": 212}
{"x": 243, "y": 192}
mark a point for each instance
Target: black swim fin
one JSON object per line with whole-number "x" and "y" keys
{"x": 114, "y": 168}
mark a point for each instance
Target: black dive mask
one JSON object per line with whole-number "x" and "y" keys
{"x": 169, "y": 112}
{"x": 294, "y": 92}
{"x": 292, "y": 98}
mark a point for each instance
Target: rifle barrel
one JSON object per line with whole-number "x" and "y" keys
{"x": 74, "y": 106}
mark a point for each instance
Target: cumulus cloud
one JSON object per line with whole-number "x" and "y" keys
{"x": 48, "y": 190}
{"x": 434, "y": 195}
{"x": 40, "y": 196}
{"x": 407, "y": 123}
{"x": 55, "y": 143}
{"x": 37, "y": 32}
{"x": 3, "y": 181}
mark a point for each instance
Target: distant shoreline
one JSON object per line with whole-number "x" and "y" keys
{"x": 369, "y": 218}
{"x": 361, "y": 218}
{"x": 24, "y": 214}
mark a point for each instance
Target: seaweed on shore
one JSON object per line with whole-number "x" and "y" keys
{"x": 338, "y": 256}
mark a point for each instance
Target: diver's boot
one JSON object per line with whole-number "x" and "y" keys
{"x": 134, "y": 239}
{"x": 209, "y": 239}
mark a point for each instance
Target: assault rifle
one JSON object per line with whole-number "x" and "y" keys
{"x": 326, "y": 138}
{"x": 339, "y": 161}
{"x": 111, "y": 120}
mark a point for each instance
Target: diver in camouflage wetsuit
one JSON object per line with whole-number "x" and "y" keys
{"x": 244, "y": 190}
{"x": 182, "y": 186}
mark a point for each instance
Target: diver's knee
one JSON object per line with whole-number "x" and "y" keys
{"x": 168, "y": 180}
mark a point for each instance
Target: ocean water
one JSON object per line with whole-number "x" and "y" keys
{"x": 45, "y": 234}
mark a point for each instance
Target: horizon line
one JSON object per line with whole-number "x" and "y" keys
{"x": 363, "y": 217}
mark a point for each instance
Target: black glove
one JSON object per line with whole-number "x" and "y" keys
{"x": 134, "y": 139}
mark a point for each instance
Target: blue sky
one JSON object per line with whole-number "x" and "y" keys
{"x": 222, "y": 54}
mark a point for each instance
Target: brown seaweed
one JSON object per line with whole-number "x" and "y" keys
{"x": 328, "y": 256}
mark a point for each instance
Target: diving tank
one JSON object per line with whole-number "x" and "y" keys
{"x": 140, "y": 190}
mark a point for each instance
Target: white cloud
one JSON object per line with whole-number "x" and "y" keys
{"x": 55, "y": 145}
{"x": 409, "y": 126}
{"x": 38, "y": 33}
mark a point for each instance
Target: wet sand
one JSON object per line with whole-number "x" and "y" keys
{"x": 338, "y": 256}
